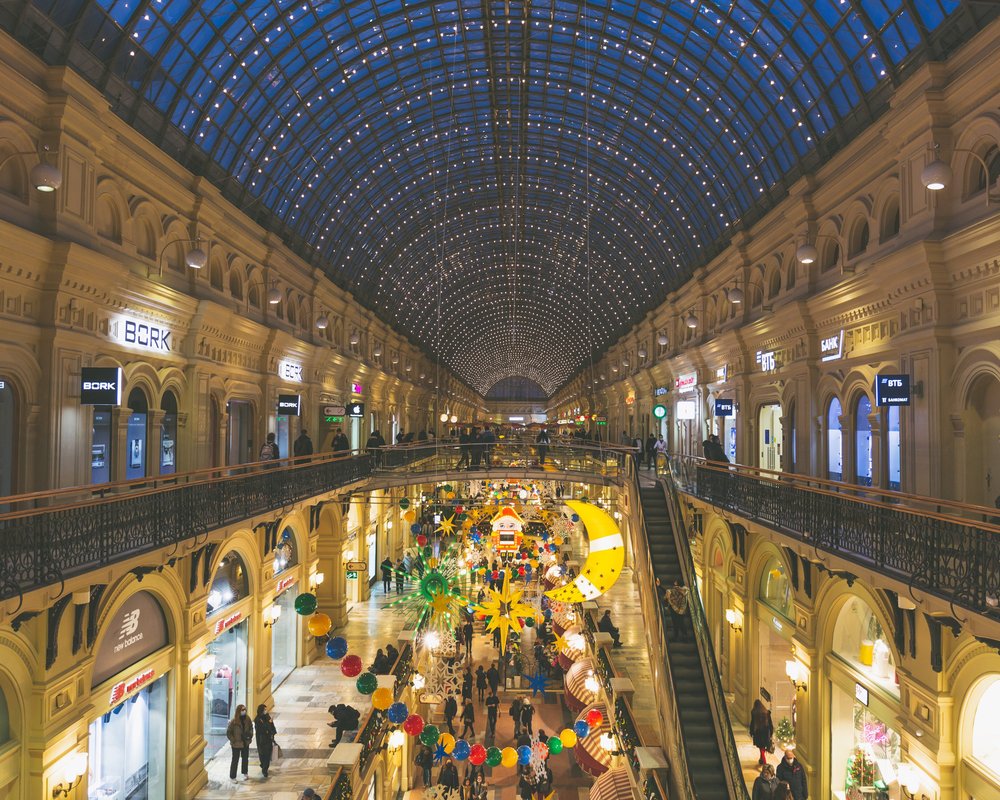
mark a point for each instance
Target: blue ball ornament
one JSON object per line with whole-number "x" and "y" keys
{"x": 581, "y": 729}
{"x": 415, "y": 528}
{"x": 461, "y": 750}
{"x": 524, "y": 755}
{"x": 336, "y": 648}
{"x": 575, "y": 518}
{"x": 398, "y": 713}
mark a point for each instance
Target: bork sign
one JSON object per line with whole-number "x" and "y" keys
{"x": 101, "y": 386}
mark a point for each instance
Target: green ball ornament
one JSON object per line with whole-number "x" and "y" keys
{"x": 447, "y": 487}
{"x": 428, "y": 551}
{"x": 305, "y": 604}
{"x": 529, "y": 622}
{"x": 493, "y": 757}
{"x": 555, "y": 745}
{"x": 429, "y": 735}
{"x": 404, "y": 503}
{"x": 367, "y": 683}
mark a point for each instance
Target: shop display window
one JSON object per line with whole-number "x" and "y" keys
{"x": 226, "y": 686}
{"x": 100, "y": 445}
{"x": 128, "y": 752}
{"x": 285, "y": 556}
{"x": 859, "y": 640}
{"x": 168, "y": 434}
{"x": 776, "y": 590}
{"x": 135, "y": 455}
{"x": 284, "y": 638}
{"x": 985, "y": 741}
{"x": 873, "y": 764}
{"x": 894, "y": 448}
{"x": 863, "y": 441}
{"x": 834, "y": 442}
{"x": 230, "y": 583}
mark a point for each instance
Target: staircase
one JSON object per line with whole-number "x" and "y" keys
{"x": 707, "y": 765}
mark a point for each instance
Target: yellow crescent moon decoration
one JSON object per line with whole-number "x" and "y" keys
{"x": 604, "y": 562}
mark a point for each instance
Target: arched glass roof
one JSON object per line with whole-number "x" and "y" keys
{"x": 512, "y": 183}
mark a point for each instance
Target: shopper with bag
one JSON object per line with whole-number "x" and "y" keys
{"x": 264, "y": 729}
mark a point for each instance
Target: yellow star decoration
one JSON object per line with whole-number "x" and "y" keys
{"x": 445, "y": 605}
{"x": 447, "y": 526}
{"x": 503, "y": 608}
{"x": 561, "y": 642}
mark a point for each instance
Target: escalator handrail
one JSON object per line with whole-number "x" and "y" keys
{"x": 643, "y": 560}
{"x": 710, "y": 669}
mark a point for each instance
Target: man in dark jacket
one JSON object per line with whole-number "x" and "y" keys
{"x": 791, "y": 771}
{"x": 450, "y": 712}
{"x": 493, "y": 678}
{"x": 386, "y": 574}
{"x": 448, "y": 777}
{"x": 340, "y": 443}
{"x": 303, "y": 445}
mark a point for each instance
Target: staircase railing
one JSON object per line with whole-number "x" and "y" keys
{"x": 710, "y": 668}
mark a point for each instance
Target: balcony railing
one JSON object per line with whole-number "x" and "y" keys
{"x": 942, "y": 548}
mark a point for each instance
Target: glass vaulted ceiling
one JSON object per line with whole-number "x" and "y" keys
{"x": 512, "y": 184}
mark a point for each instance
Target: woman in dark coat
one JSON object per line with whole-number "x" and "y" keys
{"x": 265, "y": 731}
{"x": 761, "y": 729}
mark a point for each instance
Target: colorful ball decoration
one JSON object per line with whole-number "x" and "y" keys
{"x": 594, "y": 717}
{"x": 477, "y": 754}
{"x": 447, "y": 741}
{"x": 529, "y": 622}
{"x": 581, "y": 729}
{"x": 398, "y": 713}
{"x": 334, "y": 648}
{"x": 508, "y": 757}
{"x": 568, "y": 738}
{"x": 319, "y": 624}
{"x": 540, "y": 750}
{"x": 415, "y": 528}
{"x": 305, "y": 604}
{"x": 524, "y": 755}
{"x": 429, "y": 735}
{"x": 413, "y": 725}
{"x": 351, "y": 666}
{"x": 555, "y": 745}
{"x": 381, "y": 699}
{"x": 493, "y": 757}
{"x": 367, "y": 683}
{"x": 404, "y": 503}
{"x": 575, "y": 518}
{"x": 421, "y": 540}
{"x": 461, "y": 751}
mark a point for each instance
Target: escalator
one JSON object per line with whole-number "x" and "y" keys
{"x": 708, "y": 746}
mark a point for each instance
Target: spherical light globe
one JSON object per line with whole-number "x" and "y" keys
{"x": 691, "y": 321}
{"x": 662, "y": 340}
{"x": 806, "y": 254}
{"x": 735, "y": 295}
{"x": 274, "y": 295}
{"x": 196, "y": 258}
{"x": 46, "y": 177}
{"x": 322, "y": 322}
{"x": 936, "y": 175}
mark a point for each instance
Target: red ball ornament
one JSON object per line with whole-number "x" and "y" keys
{"x": 520, "y": 571}
{"x": 413, "y": 725}
{"x": 459, "y": 509}
{"x": 421, "y": 540}
{"x": 496, "y": 575}
{"x": 477, "y": 755}
{"x": 594, "y": 718}
{"x": 351, "y": 666}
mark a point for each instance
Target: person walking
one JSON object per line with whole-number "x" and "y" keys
{"x": 265, "y": 731}
{"x": 425, "y": 760}
{"x": 386, "y": 575}
{"x": 542, "y": 443}
{"x": 791, "y": 772}
{"x": 400, "y": 576}
{"x": 448, "y": 778}
{"x": 467, "y": 630}
{"x": 481, "y": 683}
{"x": 468, "y": 720}
{"x": 492, "y": 712}
{"x": 239, "y": 732}
{"x": 464, "y": 447}
{"x": 450, "y": 712}
{"x": 783, "y": 791}
{"x": 650, "y": 451}
{"x": 269, "y": 450}
{"x": 340, "y": 443}
{"x": 761, "y": 729}
{"x": 527, "y": 717}
{"x": 303, "y": 445}
{"x": 765, "y": 785}
{"x": 515, "y": 715}
{"x": 677, "y": 600}
{"x": 467, "y": 683}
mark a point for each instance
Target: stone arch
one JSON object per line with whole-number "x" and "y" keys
{"x": 110, "y": 211}
{"x": 255, "y": 287}
{"x": 829, "y": 244}
{"x": 19, "y": 664}
{"x": 857, "y": 231}
{"x": 244, "y": 543}
{"x": 171, "y": 379}
{"x": 175, "y": 244}
{"x": 237, "y": 280}
{"x": 831, "y": 600}
{"x": 886, "y": 208}
{"x": 982, "y": 138}
{"x": 14, "y": 174}
{"x": 140, "y": 375}
{"x": 217, "y": 270}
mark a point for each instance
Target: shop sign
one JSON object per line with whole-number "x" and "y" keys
{"x": 137, "y": 630}
{"x": 722, "y": 374}
{"x": 3, "y": 384}
{"x": 515, "y": 419}
{"x": 659, "y": 391}
{"x": 892, "y": 390}
{"x": 334, "y": 411}
{"x": 290, "y": 371}
{"x": 601, "y": 420}
{"x": 289, "y": 404}
{"x": 356, "y": 410}
{"x": 724, "y": 407}
{"x": 861, "y": 694}
{"x": 122, "y": 690}
{"x": 136, "y": 333}
{"x": 564, "y": 421}
{"x": 659, "y": 411}
{"x": 687, "y": 409}
{"x": 686, "y": 382}
{"x": 767, "y": 361}
{"x": 832, "y": 347}
{"x": 357, "y": 566}
{"x": 356, "y": 388}
{"x": 226, "y": 623}
{"x": 283, "y": 584}
{"x": 101, "y": 386}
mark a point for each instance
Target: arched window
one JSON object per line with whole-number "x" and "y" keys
{"x": 774, "y": 284}
{"x": 292, "y": 313}
{"x": 834, "y": 442}
{"x": 985, "y": 742}
{"x": 859, "y": 239}
{"x": 285, "y": 554}
{"x": 5, "y": 734}
{"x": 894, "y": 448}
{"x": 858, "y": 639}
{"x": 230, "y": 584}
{"x": 135, "y": 442}
{"x": 236, "y": 284}
{"x": 889, "y": 223}
{"x": 9, "y": 429}
{"x": 108, "y": 220}
{"x": 168, "y": 434}
{"x": 13, "y": 175}
{"x": 829, "y": 256}
{"x": 215, "y": 275}
{"x": 863, "y": 441}
{"x": 980, "y": 179}
{"x": 253, "y": 295}
{"x": 145, "y": 239}
{"x": 776, "y": 590}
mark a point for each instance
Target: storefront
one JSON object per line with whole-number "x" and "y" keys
{"x": 240, "y": 432}
{"x": 168, "y": 434}
{"x": 863, "y": 441}
{"x": 289, "y": 407}
{"x": 834, "y": 441}
{"x": 128, "y": 740}
{"x": 687, "y": 414}
{"x": 770, "y": 438}
{"x": 775, "y": 628}
{"x": 8, "y": 438}
{"x": 135, "y": 435}
{"x": 227, "y": 681}
{"x": 101, "y": 387}
{"x": 864, "y": 705}
{"x": 284, "y": 627}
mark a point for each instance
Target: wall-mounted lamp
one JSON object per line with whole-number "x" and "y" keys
{"x": 45, "y": 178}
{"x": 195, "y": 258}
{"x": 735, "y": 619}
{"x": 202, "y": 668}
{"x": 909, "y": 782}
{"x": 443, "y": 417}
{"x": 322, "y": 322}
{"x": 662, "y": 340}
{"x": 396, "y": 740}
{"x": 796, "y": 673}
{"x": 736, "y": 295}
{"x": 609, "y": 743}
{"x": 377, "y": 352}
{"x": 806, "y": 253}
{"x": 274, "y": 294}
{"x": 938, "y": 174}
{"x": 453, "y": 419}
{"x": 691, "y": 320}
{"x": 271, "y": 615}
{"x": 316, "y": 579}
{"x": 73, "y": 768}
{"x": 642, "y": 352}
{"x": 354, "y": 339}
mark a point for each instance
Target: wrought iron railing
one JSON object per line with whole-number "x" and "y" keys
{"x": 706, "y": 650}
{"x": 628, "y": 733}
{"x": 340, "y": 788}
{"x": 941, "y": 554}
